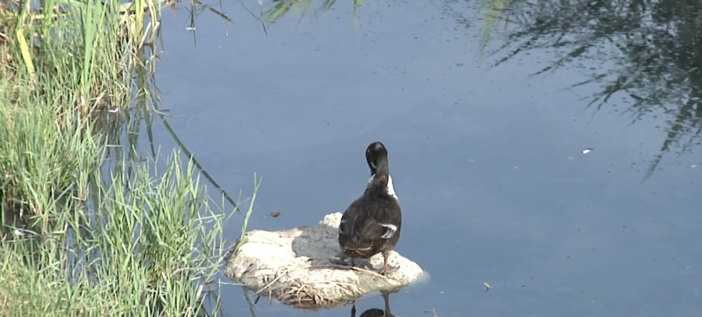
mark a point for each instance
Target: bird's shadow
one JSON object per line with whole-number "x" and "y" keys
{"x": 320, "y": 245}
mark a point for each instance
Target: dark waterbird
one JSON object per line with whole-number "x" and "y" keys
{"x": 371, "y": 224}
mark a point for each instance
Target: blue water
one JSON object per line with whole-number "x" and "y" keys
{"x": 487, "y": 160}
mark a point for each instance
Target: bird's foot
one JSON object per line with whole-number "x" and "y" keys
{"x": 389, "y": 270}
{"x": 356, "y": 263}
{"x": 340, "y": 260}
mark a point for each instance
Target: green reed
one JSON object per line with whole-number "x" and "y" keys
{"x": 142, "y": 239}
{"x": 84, "y": 53}
{"x": 140, "y": 246}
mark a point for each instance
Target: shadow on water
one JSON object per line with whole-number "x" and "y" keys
{"x": 653, "y": 45}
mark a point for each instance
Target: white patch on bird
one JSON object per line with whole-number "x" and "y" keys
{"x": 390, "y": 188}
{"x": 391, "y": 230}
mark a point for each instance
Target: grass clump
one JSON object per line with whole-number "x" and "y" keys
{"x": 90, "y": 55}
{"x": 137, "y": 240}
{"x": 43, "y": 159}
{"x": 144, "y": 246}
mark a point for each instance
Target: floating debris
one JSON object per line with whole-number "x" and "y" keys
{"x": 487, "y": 286}
{"x": 588, "y": 150}
{"x": 275, "y": 214}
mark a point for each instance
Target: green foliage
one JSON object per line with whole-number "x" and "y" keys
{"x": 46, "y": 156}
{"x": 147, "y": 247}
{"x": 86, "y": 55}
{"x": 132, "y": 241}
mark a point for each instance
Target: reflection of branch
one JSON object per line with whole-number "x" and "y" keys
{"x": 684, "y": 123}
{"x": 194, "y": 5}
{"x": 192, "y": 157}
{"x": 285, "y": 7}
{"x": 658, "y": 62}
{"x": 492, "y": 13}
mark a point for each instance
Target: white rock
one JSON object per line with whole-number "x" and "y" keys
{"x": 294, "y": 266}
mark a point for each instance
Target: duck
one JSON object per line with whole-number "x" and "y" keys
{"x": 371, "y": 224}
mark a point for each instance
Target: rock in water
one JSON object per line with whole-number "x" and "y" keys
{"x": 297, "y": 267}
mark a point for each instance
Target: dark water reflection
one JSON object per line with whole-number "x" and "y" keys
{"x": 487, "y": 158}
{"x": 653, "y": 48}
{"x": 375, "y": 312}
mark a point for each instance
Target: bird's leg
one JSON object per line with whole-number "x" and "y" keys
{"x": 386, "y": 268}
{"x": 353, "y": 264}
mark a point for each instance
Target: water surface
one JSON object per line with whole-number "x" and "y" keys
{"x": 487, "y": 160}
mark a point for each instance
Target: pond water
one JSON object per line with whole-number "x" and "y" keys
{"x": 487, "y": 158}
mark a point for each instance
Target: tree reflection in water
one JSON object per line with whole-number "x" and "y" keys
{"x": 655, "y": 45}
